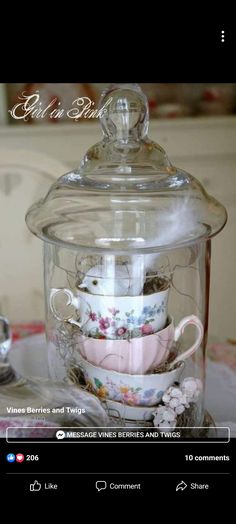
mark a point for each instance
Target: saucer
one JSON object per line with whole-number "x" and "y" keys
{"x": 124, "y": 411}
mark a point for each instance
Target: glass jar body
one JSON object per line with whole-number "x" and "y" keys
{"x": 131, "y": 329}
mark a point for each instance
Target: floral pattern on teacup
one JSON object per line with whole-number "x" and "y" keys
{"x": 113, "y": 326}
{"x": 123, "y": 392}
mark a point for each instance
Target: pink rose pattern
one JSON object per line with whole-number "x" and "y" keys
{"x": 146, "y": 329}
{"x": 121, "y": 331}
{"x": 134, "y": 326}
{"x": 92, "y": 316}
{"x": 104, "y": 323}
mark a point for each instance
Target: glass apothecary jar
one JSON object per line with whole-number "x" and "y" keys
{"x": 127, "y": 263}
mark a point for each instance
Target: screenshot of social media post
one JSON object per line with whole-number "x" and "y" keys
{"x": 117, "y": 296}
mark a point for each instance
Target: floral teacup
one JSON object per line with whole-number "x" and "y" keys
{"x": 140, "y": 355}
{"x": 112, "y": 317}
{"x": 134, "y": 390}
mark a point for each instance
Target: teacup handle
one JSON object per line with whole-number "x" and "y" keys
{"x": 186, "y": 321}
{"x": 72, "y": 301}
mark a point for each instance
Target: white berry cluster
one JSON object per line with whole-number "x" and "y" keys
{"x": 164, "y": 417}
{"x": 176, "y": 399}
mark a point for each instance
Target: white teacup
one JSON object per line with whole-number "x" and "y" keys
{"x": 113, "y": 317}
{"x": 135, "y": 390}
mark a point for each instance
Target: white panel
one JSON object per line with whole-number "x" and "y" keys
{"x": 24, "y": 178}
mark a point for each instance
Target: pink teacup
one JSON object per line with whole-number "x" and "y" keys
{"x": 142, "y": 354}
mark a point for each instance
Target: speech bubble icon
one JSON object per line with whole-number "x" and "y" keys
{"x": 101, "y": 484}
{"x": 60, "y": 434}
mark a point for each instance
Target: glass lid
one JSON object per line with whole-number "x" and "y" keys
{"x": 126, "y": 195}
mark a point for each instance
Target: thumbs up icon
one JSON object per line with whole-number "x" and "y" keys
{"x": 36, "y": 486}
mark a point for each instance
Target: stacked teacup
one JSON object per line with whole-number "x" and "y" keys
{"x": 124, "y": 339}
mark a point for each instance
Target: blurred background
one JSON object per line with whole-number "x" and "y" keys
{"x": 195, "y": 124}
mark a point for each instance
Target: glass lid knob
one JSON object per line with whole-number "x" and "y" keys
{"x": 126, "y": 117}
